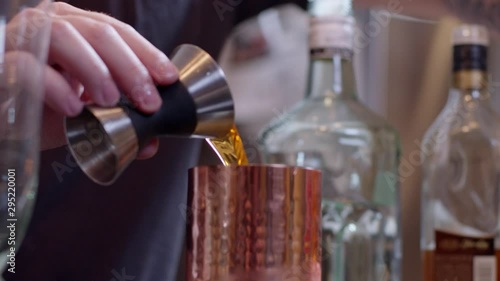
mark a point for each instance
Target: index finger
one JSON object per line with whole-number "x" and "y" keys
{"x": 159, "y": 66}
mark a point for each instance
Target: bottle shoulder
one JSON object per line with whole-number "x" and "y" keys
{"x": 331, "y": 111}
{"x": 314, "y": 118}
{"x": 461, "y": 171}
{"x": 461, "y": 120}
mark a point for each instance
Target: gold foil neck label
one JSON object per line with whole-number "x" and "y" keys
{"x": 470, "y": 80}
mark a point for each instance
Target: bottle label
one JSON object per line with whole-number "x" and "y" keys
{"x": 464, "y": 258}
{"x": 328, "y": 34}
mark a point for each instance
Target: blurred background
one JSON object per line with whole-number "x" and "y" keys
{"x": 403, "y": 72}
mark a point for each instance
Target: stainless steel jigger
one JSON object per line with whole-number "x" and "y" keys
{"x": 104, "y": 141}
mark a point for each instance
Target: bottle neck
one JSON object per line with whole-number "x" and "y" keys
{"x": 331, "y": 43}
{"x": 470, "y": 76}
{"x": 332, "y": 77}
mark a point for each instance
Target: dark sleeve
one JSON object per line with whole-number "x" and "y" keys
{"x": 249, "y": 8}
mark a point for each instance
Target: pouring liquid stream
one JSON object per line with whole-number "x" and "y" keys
{"x": 229, "y": 148}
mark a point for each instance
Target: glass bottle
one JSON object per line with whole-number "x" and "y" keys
{"x": 357, "y": 150}
{"x": 461, "y": 172}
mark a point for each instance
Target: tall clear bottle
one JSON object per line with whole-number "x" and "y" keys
{"x": 357, "y": 150}
{"x": 461, "y": 180}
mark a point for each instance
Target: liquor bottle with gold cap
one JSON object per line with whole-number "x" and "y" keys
{"x": 357, "y": 150}
{"x": 461, "y": 172}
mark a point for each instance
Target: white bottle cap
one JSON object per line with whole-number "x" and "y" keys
{"x": 320, "y": 8}
{"x": 470, "y": 34}
{"x": 331, "y": 32}
{"x": 332, "y": 25}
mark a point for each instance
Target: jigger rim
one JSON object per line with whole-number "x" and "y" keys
{"x": 213, "y": 121}
{"x": 120, "y": 157}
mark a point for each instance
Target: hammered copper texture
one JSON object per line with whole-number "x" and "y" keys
{"x": 253, "y": 223}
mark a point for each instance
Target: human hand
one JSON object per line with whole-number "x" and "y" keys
{"x": 92, "y": 57}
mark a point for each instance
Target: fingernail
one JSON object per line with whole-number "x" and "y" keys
{"x": 172, "y": 72}
{"x": 167, "y": 70}
{"x": 147, "y": 97}
{"x": 74, "y": 105}
{"x": 110, "y": 93}
{"x": 79, "y": 90}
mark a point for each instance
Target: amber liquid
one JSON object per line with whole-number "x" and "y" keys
{"x": 230, "y": 148}
{"x": 428, "y": 265}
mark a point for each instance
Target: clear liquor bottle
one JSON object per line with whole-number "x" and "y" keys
{"x": 461, "y": 172}
{"x": 357, "y": 150}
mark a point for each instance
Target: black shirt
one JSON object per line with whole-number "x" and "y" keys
{"x": 134, "y": 229}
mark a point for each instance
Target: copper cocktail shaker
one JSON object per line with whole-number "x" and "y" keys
{"x": 257, "y": 222}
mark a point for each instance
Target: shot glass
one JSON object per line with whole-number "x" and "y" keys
{"x": 255, "y": 222}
